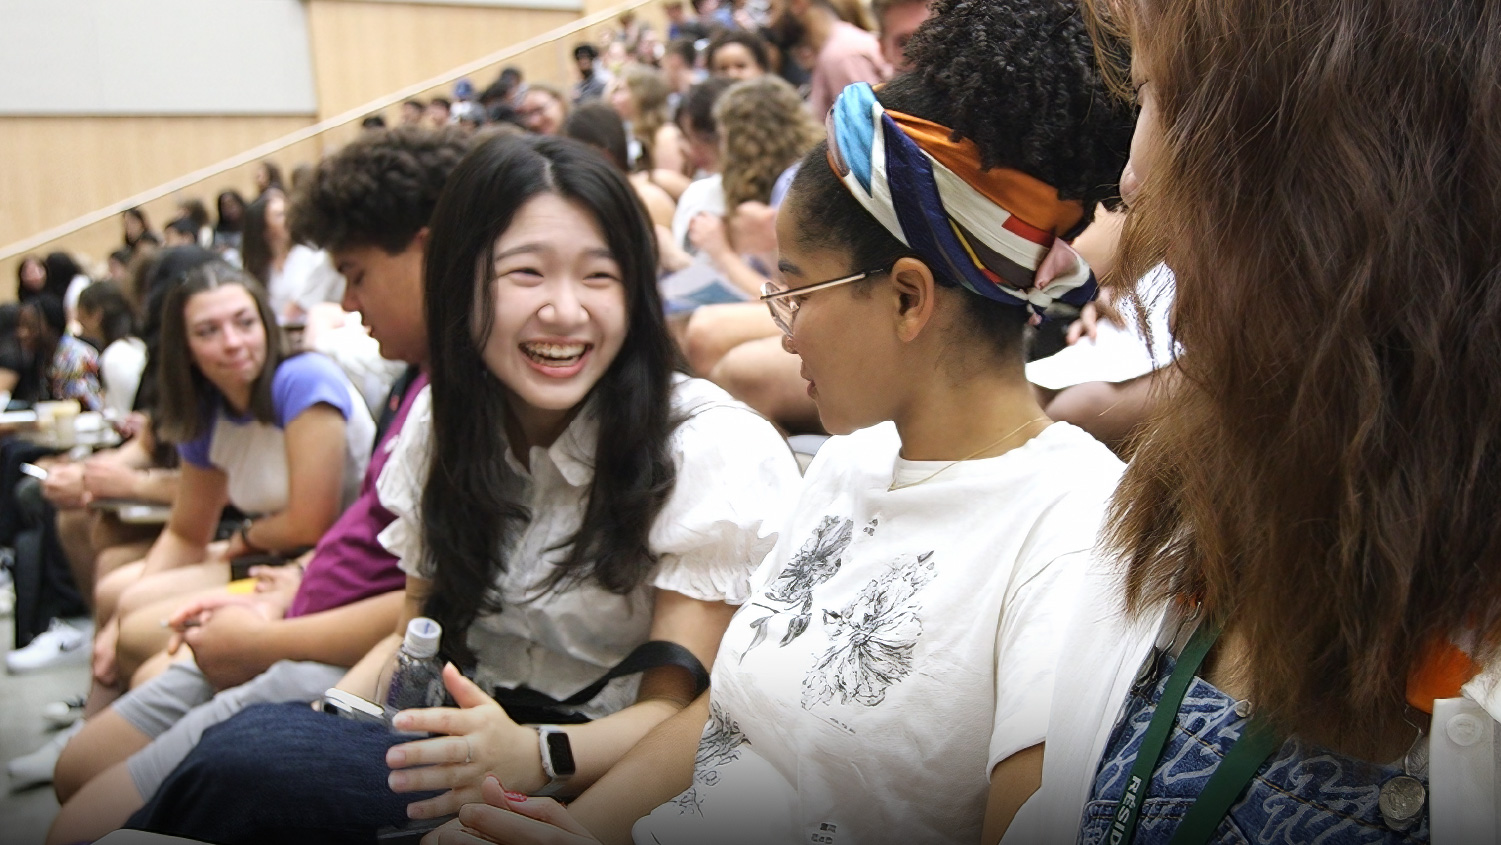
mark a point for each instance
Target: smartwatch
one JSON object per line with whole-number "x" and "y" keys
{"x": 557, "y": 759}
{"x": 244, "y": 534}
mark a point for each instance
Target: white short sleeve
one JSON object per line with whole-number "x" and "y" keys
{"x": 401, "y": 483}
{"x": 1026, "y": 655}
{"x": 1117, "y": 354}
{"x": 120, "y": 367}
{"x": 703, "y": 196}
{"x": 736, "y": 478}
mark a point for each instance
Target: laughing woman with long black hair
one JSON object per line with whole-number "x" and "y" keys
{"x": 573, "y": 500}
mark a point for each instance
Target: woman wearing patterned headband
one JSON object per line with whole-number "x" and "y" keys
{"x": 888, "y": 679}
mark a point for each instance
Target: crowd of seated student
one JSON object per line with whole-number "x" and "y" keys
{"x": 960, "y": 623}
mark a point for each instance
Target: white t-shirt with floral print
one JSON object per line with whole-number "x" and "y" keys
{"x": 896, "y": 645}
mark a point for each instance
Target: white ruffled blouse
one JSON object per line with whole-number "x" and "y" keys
{"x": 735, "y": 478}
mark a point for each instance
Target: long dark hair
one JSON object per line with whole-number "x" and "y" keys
{"x": 117, "y": 320}
{"x": 468, "y": 522}
{"x": 1326, "y": 475}
{"x": 223, "y": 223}
{"x": 22, "y": 292}
{"x": 186, "y": 394}
{"x": 52, "y": 321}
{"x": 599, "y": 126}
{"x": 255, "y": 249}
{"x": 61, "y": 270}
{"x": 138, "y": 215}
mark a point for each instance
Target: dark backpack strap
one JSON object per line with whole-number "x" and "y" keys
{"x": 393, "y": 401}
{"x": 528, "y": 706}
{"x": 649, "y": 655}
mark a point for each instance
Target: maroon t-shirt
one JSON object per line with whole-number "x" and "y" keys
{"x": 349, "y": 563}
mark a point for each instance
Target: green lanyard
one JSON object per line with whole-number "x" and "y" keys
{"x": 1227, "y": 783}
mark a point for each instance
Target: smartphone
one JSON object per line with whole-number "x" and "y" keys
{"x": 347, "y": 705}
{"x": 34, "y": 471}
{"x": 239, "y": 568}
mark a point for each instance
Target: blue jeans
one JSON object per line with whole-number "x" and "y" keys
{"x": 281, "y": 773}
{"x": 1302, "y": 794}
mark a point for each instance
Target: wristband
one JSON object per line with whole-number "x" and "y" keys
{"x": 244, "y": 534}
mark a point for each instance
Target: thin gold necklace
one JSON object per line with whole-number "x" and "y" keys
{"x": 987, "y": 447}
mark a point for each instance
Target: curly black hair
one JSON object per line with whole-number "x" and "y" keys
{"x": 1017, "y": 77}
{"x": 379, "y": 190}
{"x": 1020, "y": 79}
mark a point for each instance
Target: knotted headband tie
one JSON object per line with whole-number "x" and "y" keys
{"x": 994, "y": 231}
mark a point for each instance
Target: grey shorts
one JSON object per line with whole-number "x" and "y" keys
{"x": 176, "y": 707}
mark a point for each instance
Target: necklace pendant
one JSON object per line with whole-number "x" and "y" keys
{"x": 1401, "y": 801}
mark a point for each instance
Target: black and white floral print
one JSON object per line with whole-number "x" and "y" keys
{"x": 816, "y": 562}
{"x": 872, "y": 638}
{"x": 719, "y": 745}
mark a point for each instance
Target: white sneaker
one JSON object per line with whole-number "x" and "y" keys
{"x": 7, "y": 592}
{"x": 61, "y": 714}
{"x": 36, "y": 768}
{"x": 62, "y": 644}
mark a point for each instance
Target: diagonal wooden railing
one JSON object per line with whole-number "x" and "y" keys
{"x": 44, "y": 240}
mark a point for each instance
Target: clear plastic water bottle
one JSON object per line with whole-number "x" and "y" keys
{"x": 417, "y": 679}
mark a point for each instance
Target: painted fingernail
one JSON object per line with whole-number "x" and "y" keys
{"x": 516, "y": 796}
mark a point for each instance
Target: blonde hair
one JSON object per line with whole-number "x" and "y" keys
{"x": 764, "y": 129}
{"x": 649, "y": 90}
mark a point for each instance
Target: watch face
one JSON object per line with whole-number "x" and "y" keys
{"x": 560, "y": 752}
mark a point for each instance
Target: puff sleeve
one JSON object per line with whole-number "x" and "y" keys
{"x": 400, "y": 485}
{"x": 736, "y": 479}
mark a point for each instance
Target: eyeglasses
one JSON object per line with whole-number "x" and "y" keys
{"x": 783, "y": 302}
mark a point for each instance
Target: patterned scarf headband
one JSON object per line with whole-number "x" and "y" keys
{"x": 995, "y": 231}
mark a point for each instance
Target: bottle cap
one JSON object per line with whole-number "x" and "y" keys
{"x": 422, "y": 638}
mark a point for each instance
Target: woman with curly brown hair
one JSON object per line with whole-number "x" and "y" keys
{"x": 727, "y": 218}
{"x": 1307, "y": 532}
{"x": 763, "y": 131}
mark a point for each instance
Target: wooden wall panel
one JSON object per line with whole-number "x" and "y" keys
{"x": 59, "y": 168}
{"x": 362, "y": 51}
{"x": 54, "y": 169}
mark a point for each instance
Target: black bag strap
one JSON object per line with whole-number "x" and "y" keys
{"x": 653, "y": 654}
{"x": 527, "y": 705}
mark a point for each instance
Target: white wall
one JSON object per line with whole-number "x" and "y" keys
{"x": 155, "y": 57}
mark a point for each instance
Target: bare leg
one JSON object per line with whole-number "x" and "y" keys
{"x": 767, "y": 377}
{"x": 109, "y": 588}
{"x": 142, "y": 635}
{"x": 106, "y": 740}
{"x": 102, "y": 806}
{"x": 111, "y": 558}
{"x": 75, "y": 526}
{"x": 173, "y": 584}
{"x": 109, "y": 533}
{"x": 144, "y": 604}
{"x": 155, "y": 665}
{"x": 100, "y": 697}
{"x": 1111, "y": 412}
{"x": 714, "y": 330}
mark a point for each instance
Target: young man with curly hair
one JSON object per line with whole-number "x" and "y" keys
{"x": 369, "y": 206}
